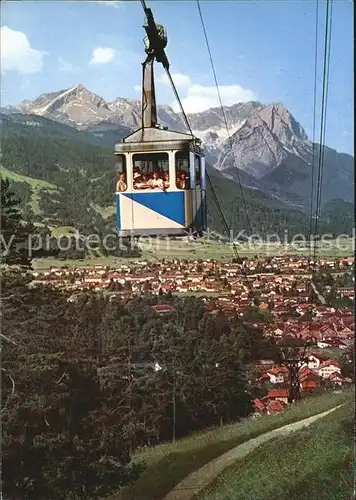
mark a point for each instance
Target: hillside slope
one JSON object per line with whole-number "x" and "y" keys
{"x": 172, "y": 462}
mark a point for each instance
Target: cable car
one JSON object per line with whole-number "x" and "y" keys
{"x": 160, "y": 183}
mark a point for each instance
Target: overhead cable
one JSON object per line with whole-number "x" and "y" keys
{"x": 224, "y": 115}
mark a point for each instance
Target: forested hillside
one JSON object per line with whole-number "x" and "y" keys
{"x": 87, "y": 393}
{"x": 87, "y": 380}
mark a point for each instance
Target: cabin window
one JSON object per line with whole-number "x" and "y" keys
{"x": 121, "y": 175}
{"x": 182, "y": 170}
{"x": 151, "y": 171}
{"x": 197, "y": 169}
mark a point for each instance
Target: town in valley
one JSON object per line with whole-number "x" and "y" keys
{"x": 272, "y": 294}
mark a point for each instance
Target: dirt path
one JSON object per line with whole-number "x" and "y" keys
{"x": 199, "y": 479}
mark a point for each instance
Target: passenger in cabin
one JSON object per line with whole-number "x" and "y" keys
{"x": 166, "y": 179}
{"x": 137, "y": 178}
{"x": 144, "y": 184}
{"x": 182, "y": 180}
{"x": 144, "y": 181}
{"x": 156, "y": 182}
{"x": 121, "y": 183}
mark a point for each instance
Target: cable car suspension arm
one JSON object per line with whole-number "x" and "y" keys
{"x": 156, "y": 42}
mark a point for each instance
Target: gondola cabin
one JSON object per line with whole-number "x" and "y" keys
{"x": 160, "y": 173}
{"x": 160, "y": 184}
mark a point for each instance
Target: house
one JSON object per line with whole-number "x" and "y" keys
{"x": 327, "y": 331}
{"x": 328, "y": 367}
{"x": 256, "y": 284}
{"x": 260, "y": 406}
{"x": 309, "y": 379}
{"x": 309, "y": 385}
{"x": 278, "y": 332}
{"x": 331, "y": 343}
{"x": 162, "y": 308}
{"x": 344, "y": 333}
{"x": 314, "y": 361}
{"x": 335, "y": 378}
{"x": 279, "y": 394}
{"x": 264, "y": 364}
{"x": 276, "y": 406}
{"x": 275, "y": 376}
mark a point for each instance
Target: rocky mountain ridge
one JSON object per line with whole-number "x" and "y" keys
{"x": 261, "y": 145}
{"x": 79, "y": 107}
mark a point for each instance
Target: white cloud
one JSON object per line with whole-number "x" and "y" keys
{"x": 180, "y": 80}
{"x": 66, "y": 67}
{"x": 196, "y": 98}
{"x": 102, "y": 55}
{"x": 111, "y": 3}
{"x": 199, "y": 98}
{"x": 17, "y": 53}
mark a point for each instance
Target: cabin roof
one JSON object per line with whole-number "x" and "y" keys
{"x": 156, "y": 139}
{"x": 157, "y": 134}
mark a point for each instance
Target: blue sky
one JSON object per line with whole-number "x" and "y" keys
{"x": 262, "y": 50}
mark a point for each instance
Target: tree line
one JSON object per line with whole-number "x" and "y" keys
{"x": 87, "y": 379}
{"x": 86, "y": 382}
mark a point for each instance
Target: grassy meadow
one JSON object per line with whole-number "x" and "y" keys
{"x": 36, "y": 186}
{"x": 314, "y": 463}
{"x": 156, "y": 250}
{"x": 167, "y": 464}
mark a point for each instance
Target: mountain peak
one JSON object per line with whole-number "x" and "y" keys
{"x": 282, "y": 123}
{"x": 80, "y": 86}
{"x": 82, "y": 93}
{"x": 72, "y": 105}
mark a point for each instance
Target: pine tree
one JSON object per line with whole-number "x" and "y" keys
{"x": 17, "y": 243}
{"x": 14, "y": 232}
{"x": 63, "y": 435}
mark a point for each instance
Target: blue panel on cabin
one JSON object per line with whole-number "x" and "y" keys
{"x": 118, "y": 215}
{"x": 170, "y": 205}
